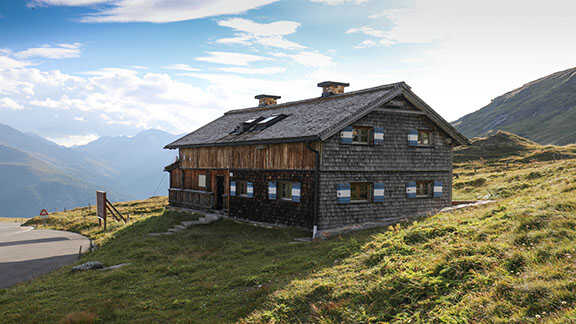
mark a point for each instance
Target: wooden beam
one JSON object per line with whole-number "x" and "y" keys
{"x": 399, "y": 111}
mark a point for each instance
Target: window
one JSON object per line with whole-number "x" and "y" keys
{"x": 267, "y": 122}
{"x": 361, "y": 135}
{"x": 268, "y": 119}
{"x": 424, "y": 137}
{"x": 241, "y": 188}
{"x": 285, "y": 190}
{"x": 245, "y": 126}
{"x": 360, "y": 191}
{"x": 424, "y": 188}
{"x": 202, "y": 180}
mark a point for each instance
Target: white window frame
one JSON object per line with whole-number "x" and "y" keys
{"x": 202, "y": 180}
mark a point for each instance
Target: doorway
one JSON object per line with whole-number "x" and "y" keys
{"x": 219, "y": 192}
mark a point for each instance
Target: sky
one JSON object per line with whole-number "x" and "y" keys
{"x": 75, "y": 70}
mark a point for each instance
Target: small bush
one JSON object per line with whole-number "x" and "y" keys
{"x": 566, "y": 207}
{"x": 515, "y": 263}
{"x": 534, "y": 175}
{"x": 460, "y": 268}
{"x": 425, "y": 234}
{"x": 472, "y": 183}
{"x": 531, "y": 223}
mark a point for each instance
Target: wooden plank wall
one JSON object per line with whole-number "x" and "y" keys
{"x": 288, "y": 156}
{"x": 176, "y": 178}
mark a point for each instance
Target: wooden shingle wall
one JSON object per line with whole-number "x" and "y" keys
{"x": 393, "y": 162}
{"x": 394, "y": 154}
{"x": 288, "y": 156}
{"x": 395, "y": 207}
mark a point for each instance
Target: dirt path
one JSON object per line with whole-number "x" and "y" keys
{"x": 26, "y": 253}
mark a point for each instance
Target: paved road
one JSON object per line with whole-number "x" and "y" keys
{"x": 26, "y": 253}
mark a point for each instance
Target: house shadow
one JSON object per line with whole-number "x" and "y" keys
{"x": 36, "y": 241}
{"x": 12, "y": 273}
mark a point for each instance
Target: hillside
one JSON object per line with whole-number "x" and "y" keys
{"x": 509, "y": 262}
{"x": 543, "y": 110}
{"x": 503, "y": 146}
{"x": 39, "y": 174}
{"x": 139, "y": 160}
{"x": 29, "y": 183}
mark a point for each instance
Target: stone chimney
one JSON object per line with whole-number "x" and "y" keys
{"x": 330, "y": 88}
{"x": 266, "y": 100}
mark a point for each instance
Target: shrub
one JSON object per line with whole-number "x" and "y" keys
{"x": 566, "y": 207}
{"x": 515, "y": 263}
{"x": 531, "y": 223}
{"x": 534, "y": 175}
{"x": 425, "y": 234}
{"x": 460, "y": 268}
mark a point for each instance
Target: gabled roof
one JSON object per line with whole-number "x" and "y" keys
{"x": 310, "y": 119}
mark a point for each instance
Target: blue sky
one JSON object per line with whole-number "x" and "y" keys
{"x": 75, "y": 70}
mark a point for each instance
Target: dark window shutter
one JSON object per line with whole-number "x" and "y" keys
{"x": 343, "y": 193}
{"x": 378, "y": 192}
{"x": 378, "y": 135}
{"x": 437, "y": 189}
{"x": 250, "y": 189}
{"x": 411, "y": 189}
{"x": 296, "y": 192}
{"x": 346, "y": 135}
{"x": 272, "y": 190}
{"x": 413, "y": 137}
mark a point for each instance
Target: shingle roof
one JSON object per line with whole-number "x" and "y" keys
{"x": 317, "y": 118}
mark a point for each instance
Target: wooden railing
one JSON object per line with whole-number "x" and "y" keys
{"x": 190, "y": 198}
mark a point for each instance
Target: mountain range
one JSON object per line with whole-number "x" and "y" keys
{"x": 39, "y": 174}
{"x": 543, "y": 110}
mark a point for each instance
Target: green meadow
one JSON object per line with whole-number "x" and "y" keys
{"x": 512, "y": 261}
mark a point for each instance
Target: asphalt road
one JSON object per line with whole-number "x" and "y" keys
{"x": 26, "y": 253}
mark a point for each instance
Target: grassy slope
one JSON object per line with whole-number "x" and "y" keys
{"x": 213, "y": 273}
{"x": 507, "y": 262}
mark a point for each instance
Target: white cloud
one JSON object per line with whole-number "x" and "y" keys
{"x": 257, "y": 29}
{"x": 180, "y": 67}
{"x": 230, "y": 58}
{"x": 73, "y": 140}
{"x": 367, "y": 30}
{"x": 312, "y": 59}
{"x": 476, "y": 51}
{"x": 158, "y": 11}
{"x": 271, "y": 34}
{"x": 339, "y": 2}
{"x": 239, "y": 39}
{"x": 268, "y": 70}
{"x": 233, "y": 96}
{"x": 9, "y": 103}
{"x": 52, "y": 52}
{"x": 366, "y": 44}
{"x": 130, "y": 99}
{"x": 383, "y": 36}
{"x": 10, "y": 63}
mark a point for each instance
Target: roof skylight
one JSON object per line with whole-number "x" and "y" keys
{"x": 268, "y": 119}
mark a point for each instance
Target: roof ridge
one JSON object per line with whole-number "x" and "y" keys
{"x": 343, "y": 95}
